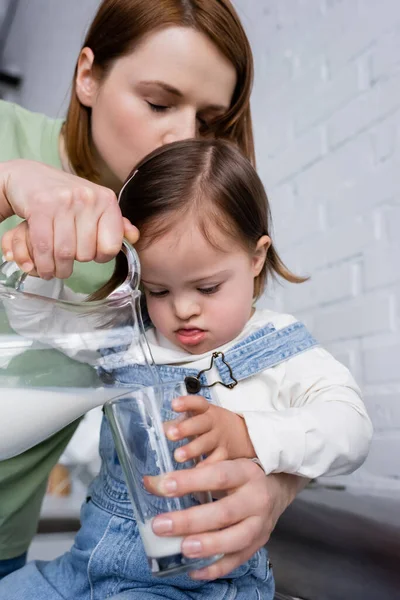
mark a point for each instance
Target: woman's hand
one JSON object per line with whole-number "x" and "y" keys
{"x": 238, "y": 524}
{"x": 68, "y": 218}
{"x": 218, "y": 433}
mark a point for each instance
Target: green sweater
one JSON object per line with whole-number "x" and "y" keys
{"x": 23, "y": 478}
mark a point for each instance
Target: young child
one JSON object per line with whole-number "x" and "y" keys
{"x": 266, "y": 389}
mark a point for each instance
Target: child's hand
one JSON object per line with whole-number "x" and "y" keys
{"x": 219, "y": 433}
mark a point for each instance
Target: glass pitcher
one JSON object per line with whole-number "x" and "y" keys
{"x": 58, "y": 350}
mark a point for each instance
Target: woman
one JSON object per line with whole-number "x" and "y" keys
{"x": 150, "y": 72}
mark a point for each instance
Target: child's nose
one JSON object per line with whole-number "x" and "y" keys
{"x": 186, "y": 308}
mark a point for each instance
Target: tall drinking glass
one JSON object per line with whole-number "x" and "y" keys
{"x": 137, "y": 421}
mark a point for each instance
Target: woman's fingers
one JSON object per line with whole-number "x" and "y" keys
{"x": 7, "y": 244}
{"x": 222, "y": 476}
{"x": 64, "y": 246}
{"x": 17, "y": 240}
{"x": 69, "y": 218}
{"x": 51, "y": 200}
{"x": 240, "y": 536}
{"x": 110, "y": 230}
{"x": 225, "y": 565}
{"x": 131, "y": 233}
{"x": 86, "y": 219}
{"x": 42, "y": 241}
{"x": 244, "y": 537}
{"x": 15, "y": 247}
{"x": 246, "y": 500}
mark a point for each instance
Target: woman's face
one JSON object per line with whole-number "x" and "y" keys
{"x": 174, "y": 83}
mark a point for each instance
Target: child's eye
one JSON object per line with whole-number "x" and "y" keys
{"x": 157, "y": 107}
{"x": 160, "y": 294}
{"x": 210, "y": 290}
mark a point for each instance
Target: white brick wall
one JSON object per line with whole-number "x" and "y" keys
{"x": 326, "y": 111}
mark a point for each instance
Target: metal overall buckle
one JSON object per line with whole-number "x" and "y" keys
{"x": 194, "y": 385}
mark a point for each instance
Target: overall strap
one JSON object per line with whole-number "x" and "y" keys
{"x": 259, "y": 351}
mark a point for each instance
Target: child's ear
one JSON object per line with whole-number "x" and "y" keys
{"x": 260, "y": 254}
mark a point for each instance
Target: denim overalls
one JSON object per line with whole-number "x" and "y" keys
{"x": 107, "y": 559}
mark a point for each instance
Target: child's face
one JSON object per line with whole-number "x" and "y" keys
{"x": 197, "y": 296}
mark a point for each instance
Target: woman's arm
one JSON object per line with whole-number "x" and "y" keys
{"x": 237, "y": 525}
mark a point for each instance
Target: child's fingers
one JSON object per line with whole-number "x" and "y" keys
{"x": 204, "y": 444}
{"x": 167, "y": 425}
{"x": 217, "y": 455}
{"x": 197, "y": 425}
{"x": 196, "y": 404}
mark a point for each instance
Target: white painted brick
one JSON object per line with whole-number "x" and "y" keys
{"x": 325, "y": 37}
{"x": 370, "y": 186}
{"x": 366, "y": 315}
{"x": 384, "y": 138}
{"x": 381, "y": 265}
{"x": 383, "y": 458}
{"x": 362, "y": 23}
{"x": 324, "y": 287}
{"x": 347, "y": 240}
{"x": 281, "y": 199}
{"x": 364, "y": 110}
{"x": 273, "y": 135}
{"x": 396, "y": 291}
{"x": 385, "y": 59}
{"x": 323, "y": 98}
{"x": 382, "y": 364}
{"x": 392, "y": 225}
{"x": 340, "y": 243}
{"x": 384, "y": 410}
{"x": 338, "y": 170}
{"x": 302, "y": 223}
{"x": 302, "y": 152}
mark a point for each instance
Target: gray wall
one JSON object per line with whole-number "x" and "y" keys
{"x": 43, "y": 44}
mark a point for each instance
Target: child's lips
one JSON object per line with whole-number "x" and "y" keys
{"x": 190, "y": 336}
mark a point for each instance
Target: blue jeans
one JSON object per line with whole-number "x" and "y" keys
{"x": 107, "y": 560}
{"x": 10, "y": 565}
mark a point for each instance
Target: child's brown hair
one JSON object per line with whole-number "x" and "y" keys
{"x": 213, "y": 183}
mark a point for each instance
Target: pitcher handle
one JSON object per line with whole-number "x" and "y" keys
{"x": 133, "y": 277}
{"x": 11, "y": 276}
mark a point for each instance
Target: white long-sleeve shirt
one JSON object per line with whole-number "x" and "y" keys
{"x": 304, "y": 416}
